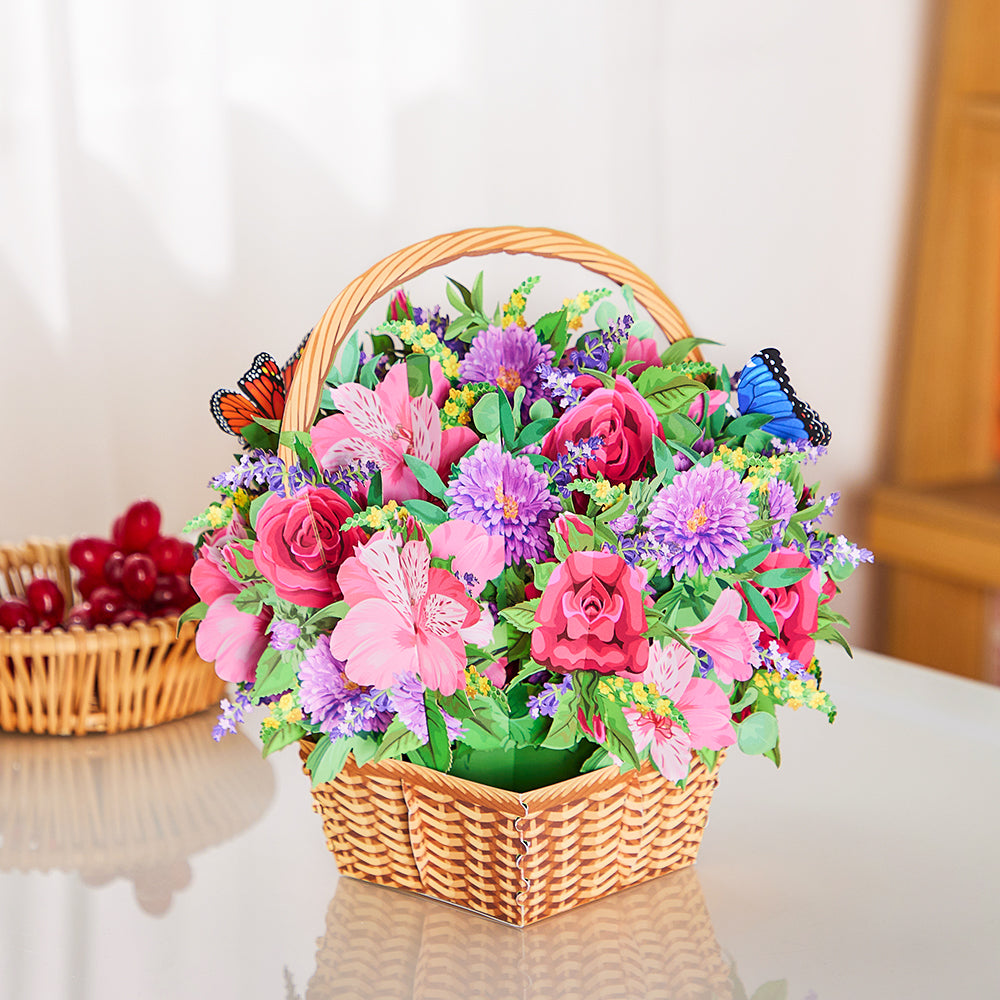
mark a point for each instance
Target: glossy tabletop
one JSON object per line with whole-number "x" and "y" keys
{"x": 161, "y": 865}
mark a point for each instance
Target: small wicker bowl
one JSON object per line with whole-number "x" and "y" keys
{"x": 102, "y": 680}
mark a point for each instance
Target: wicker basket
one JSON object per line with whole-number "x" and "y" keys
{"x": 655, "y": 941}
{"x": 516, "y": 857}
{"x": 102, "y": 680}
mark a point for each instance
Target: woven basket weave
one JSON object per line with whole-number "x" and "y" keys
{"x": 516, "y": 857}
{"x": 76, "y": 681}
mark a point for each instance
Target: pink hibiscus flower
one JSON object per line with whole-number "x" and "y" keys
{"x": 703, "y": 704}
{"x": 726, "y": 639}
{"x": 406, "y": 617}
{"x": 234, "y": 640}
{"x": 385, "y": 424}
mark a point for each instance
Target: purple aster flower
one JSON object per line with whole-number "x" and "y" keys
{"x": 337, "y": 705}
{"x": 507, "y": 358}
{"x": 546, "y": 702}
{"x": 701, "y": 520}
{"x": 507, "y": 496}
{"x": 781, "y": 507}
{"x": 284, "y": 635}
{"x": 407, "y": 699}
{"x": 626, "y": 523}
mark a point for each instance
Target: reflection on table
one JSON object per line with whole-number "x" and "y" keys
{"x": 133, "y": 805}
{"x": 655, "y": 940}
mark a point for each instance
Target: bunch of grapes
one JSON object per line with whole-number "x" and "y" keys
{"x": 136, "y": 575}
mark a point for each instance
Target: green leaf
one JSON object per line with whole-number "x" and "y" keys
{"x": 661, "y": 455}
{"x": 249, "y": 600}
{"x": 749, "y": 697}
{"x": 759, "y": 606}
{"x": 751, "y": 558}
{"x": 477, "y": 293}
{"x": 708, "y": 757}
{"x": 363, "y": 748}
{"x": 275, "y": 674}
{"x": 680, "y": 428}
{"x": 517, "y": 405}
{"x": 418, "y": 375}
{"x": 598, "y": 759}
{"x": 507, "y": 432}
{"x": 368, "y": 378}
{"x": 541, "y": 409}
{"x": 327, "y": 759}
{"x": 782, "y": 577}
{"x": 257, "y": 437}
{"x": 522, "y": 616}
{"x": 382, "y": 343}
{"x": 255, "y": 507}
{"x": 486, "y": 416}
{"x": 350, "y": 355}
{"x": 278, "y": 739}
{"x": 437, "y": 734}
{"x": 526, "y": 731}
{"x": 486, "y": 725}
{"x": 680, "y": 349}
{"x": 396, "y": 741}
{"x": 757, "y": 733}
{"x": 375, "y": 490}
{"x": 542, "y": 572}
{"x": 564, "y": 731}
{"x": 462, "y": 302}
{"x": 535, "y": 431}
{"x": 746, "y": 423}
{"x": 426, "y": 512}
{"x": 194, "y": 613}
{"x": 605, "y": 315}
{"x": 619, "y": 740}
{"x": 426, "y": 476}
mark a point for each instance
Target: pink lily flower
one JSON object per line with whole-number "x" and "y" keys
{"x": 406, "y": 617}
{"x": 703, "y": 704}
{"x": 385, "y": 424}
{"x": 729, "y": 641}
{"x": 478, "y": 556}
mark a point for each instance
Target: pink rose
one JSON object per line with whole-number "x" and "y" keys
{"x": 625, "y": 421}
{"x": 796, "y": 607}
{"x": 300, "y": 545}
{"x": 592, "y": 616}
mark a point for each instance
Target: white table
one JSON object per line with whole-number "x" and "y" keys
{"x": 160, "y": 865}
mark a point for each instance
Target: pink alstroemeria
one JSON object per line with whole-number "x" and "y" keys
{"x": 478, "y": 556}
{"x": 406, "y": 617}
{"x": 385, "y": 424}
{"x": 716, "y": 397}
{"x": 729, "y": 641}
{"x": 703, "y": 704}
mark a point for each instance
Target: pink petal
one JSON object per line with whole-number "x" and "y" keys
{"x": 233, "y": 639}
{"x": 375, "y": 641}
{"x": 380, "y": 557}
{"x": 705, "y": 706}
{"x": 414, "y": 563}
{"x": 211, "y": 581}
{"x": 363, "y": 409}
{"x": 455, "y": 442}
{"x": 474, "y": 551}
{"x": 426, "y": 430}
{"x": 441, "y": 662}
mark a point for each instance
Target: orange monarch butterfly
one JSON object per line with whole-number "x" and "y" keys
{"x": 262, "y": 393}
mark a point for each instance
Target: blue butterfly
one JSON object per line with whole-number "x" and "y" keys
{"x": 763, "y": 387}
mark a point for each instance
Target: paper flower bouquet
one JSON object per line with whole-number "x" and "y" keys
{"x": 517, "y": 548}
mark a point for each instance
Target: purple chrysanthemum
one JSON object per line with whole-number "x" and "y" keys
{"x": 781, "y": 506}
{"x": 337, "y": 705}
{"x": 508, "y": 497}
{"x": 507, "y": 358}
{"x": 701, "y": 520}
{"x": 407, "y": 698}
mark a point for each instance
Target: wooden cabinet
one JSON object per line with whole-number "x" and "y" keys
{"x": 935, "y": 523}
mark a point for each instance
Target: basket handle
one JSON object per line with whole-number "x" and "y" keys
{"x": 347, "y": 308}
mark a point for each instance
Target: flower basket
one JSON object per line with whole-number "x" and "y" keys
{"x": 514, "y": 587}
{"x": 515, "y": 856}
{"x": 102, "y": 680}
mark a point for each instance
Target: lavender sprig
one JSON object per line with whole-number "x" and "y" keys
{"x": 231, "y": 715}
{"x": 596, "y": 350}
{"x": 567, "y": 464}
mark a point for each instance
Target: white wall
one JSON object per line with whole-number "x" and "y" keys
{"x": 184, "y": 185}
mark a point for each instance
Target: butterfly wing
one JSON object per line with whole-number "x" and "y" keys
{"x": 764, "y": 387}
{"x": 262, "y": 394}
{"x": 288, "y": 371}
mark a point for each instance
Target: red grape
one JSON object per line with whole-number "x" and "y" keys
{"x": 86, "y": 584}
{"x": 118, "y": 532}
{"x": 128, "y": 616}
{"x": 113, "y": 568}
{"x": 141, "y": 524}
{"x": 80, "y": 614}
{"x": 46, "y": 600}
{"x": 166, "y": 553}
{"x": 139, "y": 576}
{"x": 17, "y": 613}
{"x": 187, "y": 558}
{"x": 169, "y": 591}
{"x": 105, "y": 603}
{"x": 90, "y": 554}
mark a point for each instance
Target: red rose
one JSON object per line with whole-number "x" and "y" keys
{"x": 300, "y": 545}
{"x": 796, "y": 607}
{"x": 592, "y": 616}
{"x": 622, "y": 417}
